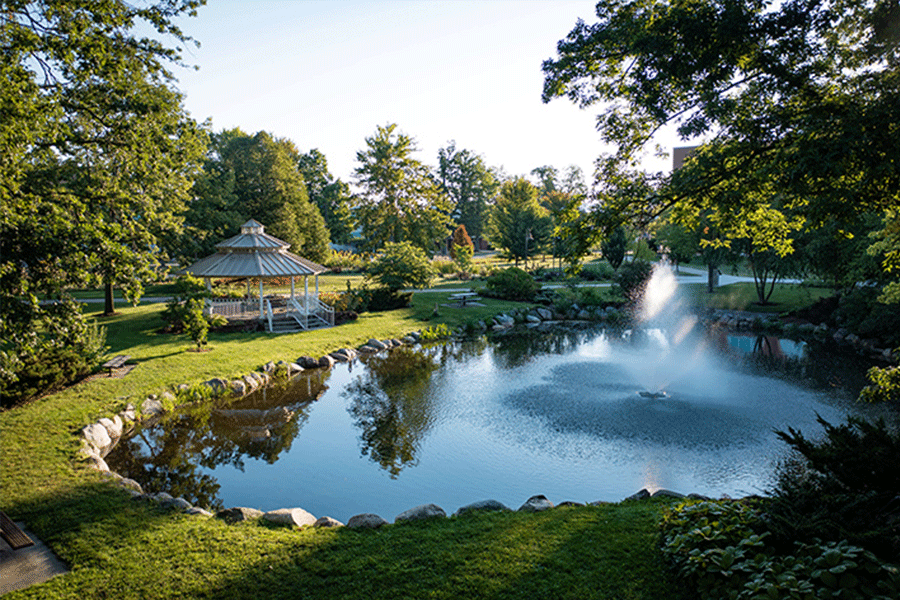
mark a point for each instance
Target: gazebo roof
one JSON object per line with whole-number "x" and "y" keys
{"x": 254, "y": 253}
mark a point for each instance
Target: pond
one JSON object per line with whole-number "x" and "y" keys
{"x": 504, "y": 417}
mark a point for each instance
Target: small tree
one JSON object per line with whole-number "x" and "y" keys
{"x": 614, "y": 247}
{"x": 401, "y": 265}
{"x": 462, "y": 249}
{"x": 195, "y": 323}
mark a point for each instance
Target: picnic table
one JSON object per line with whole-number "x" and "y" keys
{"x": 115, "y": 362}
{"x": 14, "y": 536}
{"x": 462, "y": 298}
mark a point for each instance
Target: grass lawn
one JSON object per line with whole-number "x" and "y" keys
{"x": 742, "y": 296}
{"x": 118, "y": 547}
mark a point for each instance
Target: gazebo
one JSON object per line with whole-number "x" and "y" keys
{"x": 254, "y": 254}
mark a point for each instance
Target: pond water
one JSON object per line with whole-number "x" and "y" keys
{"x": 504, "y": 417}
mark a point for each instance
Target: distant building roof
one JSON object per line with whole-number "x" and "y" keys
{"x": 254, "y": 253}
{"x": 679, "y": 154}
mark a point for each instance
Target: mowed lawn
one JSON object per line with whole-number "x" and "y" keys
{"x": 122, "y": 548}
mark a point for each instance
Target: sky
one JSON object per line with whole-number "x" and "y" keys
{"x": 326, "y": 74}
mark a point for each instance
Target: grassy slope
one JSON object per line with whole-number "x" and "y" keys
{"x": 120, "y": 547}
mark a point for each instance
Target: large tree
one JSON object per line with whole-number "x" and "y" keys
{"x": 97, "y": 157}
{"x": 800, "y": 102}
{"x": 400, "y": 201}
{"x": 331, "y": 195}
{"x": 470, "y": 184}
{"x": 256, "y": 177}
{"x": 519, "y": 226}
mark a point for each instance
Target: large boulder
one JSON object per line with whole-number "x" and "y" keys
{"x": 536, "y": 504}
{"x": 482, "y": 505}
{"x": 326, "y": 362}
{"x": 238, "y": 514}
{"x": 152, "y": 407}
{"x": 113, "y": 426}
{"x": 97, "y": 436}
{"x": 366, "y": 521}
{"x": 641, "y": 495}
{"x": 661, "y": 493}
{"x": 544, "y": 314}
{"x": 308, "y": 362}
{"x": 289, "y": 517}
{"x": 378, "y": 344}
{"x": 424, "y": 511}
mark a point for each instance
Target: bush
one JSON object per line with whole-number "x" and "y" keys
{"x": 843, "y": 487}
{"x": 511, "y": 284}
{"x": 401, "y": 265}
{"x": 597, "y": 272}
{"x": 722, "y": 551}
{"x": 884, "y": 385}
{"x": 436, "y": 332}
{"x": 342, "y": 260}
{"x": 862, "y": 313}
{"x": 632, "y": 278}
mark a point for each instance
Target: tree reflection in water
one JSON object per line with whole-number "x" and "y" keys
{"x": 392, "y": 406}
{"x": 172, "y": 455}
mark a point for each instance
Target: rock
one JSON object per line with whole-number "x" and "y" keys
{"x": 238, "y": 514}
{"x": 661, "y": 493}
{"x": 531, "y": 318}
{"x": 366, "y": 521}
{"x": 251, "y": 382}
{"x": 584, "y": 315}
{"x": 377, "y": 344}
{"x": 395, "y": 342}
{"x": 217, "y": 385}
{"x": 238, "y": 387}
{"x": 599, "y": 503}
{"x": 269, "y": 367}
{"x": 366, "y": 349}
{"x": 409, "y": 340}
{"x": 113, "y": 426}
{"x": 152, "y": 407}
{"x": 641, "y": 495}
{"x": 196, "y": 510}
{"x": 129, "y": 484}
{"x": 97, "y": 463}
{"x": 544, "y": 314}
{"x": 308, "y": 362}
{"x": 536, "y": 504}
{"x": 182, "y": 387}
{"x": 483, "y": 505}
{"x": 161, "y": 497}
{"x": 326, "y": 362}
{"x": 88, "y": 451}
{"x": 424, "y": 511}
{"x": 293, "y": 369}
{"x": 569, "y": 503}
{"x": 177, "y": 503}
{"x": 698, "y": 497}
{"x": 97, "y": 435}
{"x": 128, "y": 415}
{"x": 327, "y": 522}
{"x": 290, "y": 517}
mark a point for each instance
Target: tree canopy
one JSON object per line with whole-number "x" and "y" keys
{"x": 98, "y": 156}
{"x": 331, "y": 195}
{"x": 470, "y": 184}
{"x": 799, "y": 101}
{"x": 400, "y": 201}
{"x": 519, "y": 225}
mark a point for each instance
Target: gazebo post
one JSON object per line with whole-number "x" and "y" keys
{"x": 260, "y": 299}
{"x": 292, "y": 287}
{"x": 306, "y": 292}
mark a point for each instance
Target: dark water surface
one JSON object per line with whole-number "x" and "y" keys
{"x": 505, "y": 418}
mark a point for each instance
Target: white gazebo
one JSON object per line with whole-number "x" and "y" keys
{"x": 254, "y": 254}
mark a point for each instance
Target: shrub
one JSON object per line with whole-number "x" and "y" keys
{"x": 861, "y": 312}
{"x": 436, "y": 332}
{"x": 884, "y": 385}
{"x": 511, "y": 284}
{"x": 342, "y": 260}
{"x": 443, "y": 266}
{"x": 195, "y": 323}
{"x": 597, "y": 272}
{"x": 401, "y": 265}
{"x": 632, "y": 278}
{"x": 844, "y": 487}
{"x": 722, "y": 551}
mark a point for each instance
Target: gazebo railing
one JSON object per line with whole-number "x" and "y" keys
{"x": 317, "y": 309}
{"x": 232, "y": 307}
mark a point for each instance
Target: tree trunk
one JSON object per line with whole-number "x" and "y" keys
{"x": 712, "y": 279}
{"x": 109, "y": 303}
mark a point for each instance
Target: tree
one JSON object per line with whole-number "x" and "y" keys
{"x": 399, "y": 200}
{"x": 98, "y": 156}
{"x": 547, "y": 177}
{"x": 257, "y": 177}
{"x": 401, "y": 265}
{"x": 519, "y": 225}
{"x": 461, "y": 248}
{"x": 799, "y": 101}
{"x": 331, "y": 195}
{"x": 470, "y": 184}
{"x": 613, "y": 247}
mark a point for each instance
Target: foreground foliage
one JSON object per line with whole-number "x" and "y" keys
{"x": 724, "y": 551}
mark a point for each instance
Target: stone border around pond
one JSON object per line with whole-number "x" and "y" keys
{"x": 100, "y": 437}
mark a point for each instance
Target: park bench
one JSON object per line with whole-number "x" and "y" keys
{"x": 14, "y": 536}
{"x": 115, "y": 362}
{"x": 462, "y": 298}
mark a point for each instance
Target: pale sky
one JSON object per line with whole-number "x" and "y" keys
{"x": 325, "y": 74}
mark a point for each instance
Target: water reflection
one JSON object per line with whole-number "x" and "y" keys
{"x": 391, "y": 406}
{"x": 172, "y": 455}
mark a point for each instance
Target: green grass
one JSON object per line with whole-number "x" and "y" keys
{"x": 742, "y": 296}
{"x": 118, "y": 547}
